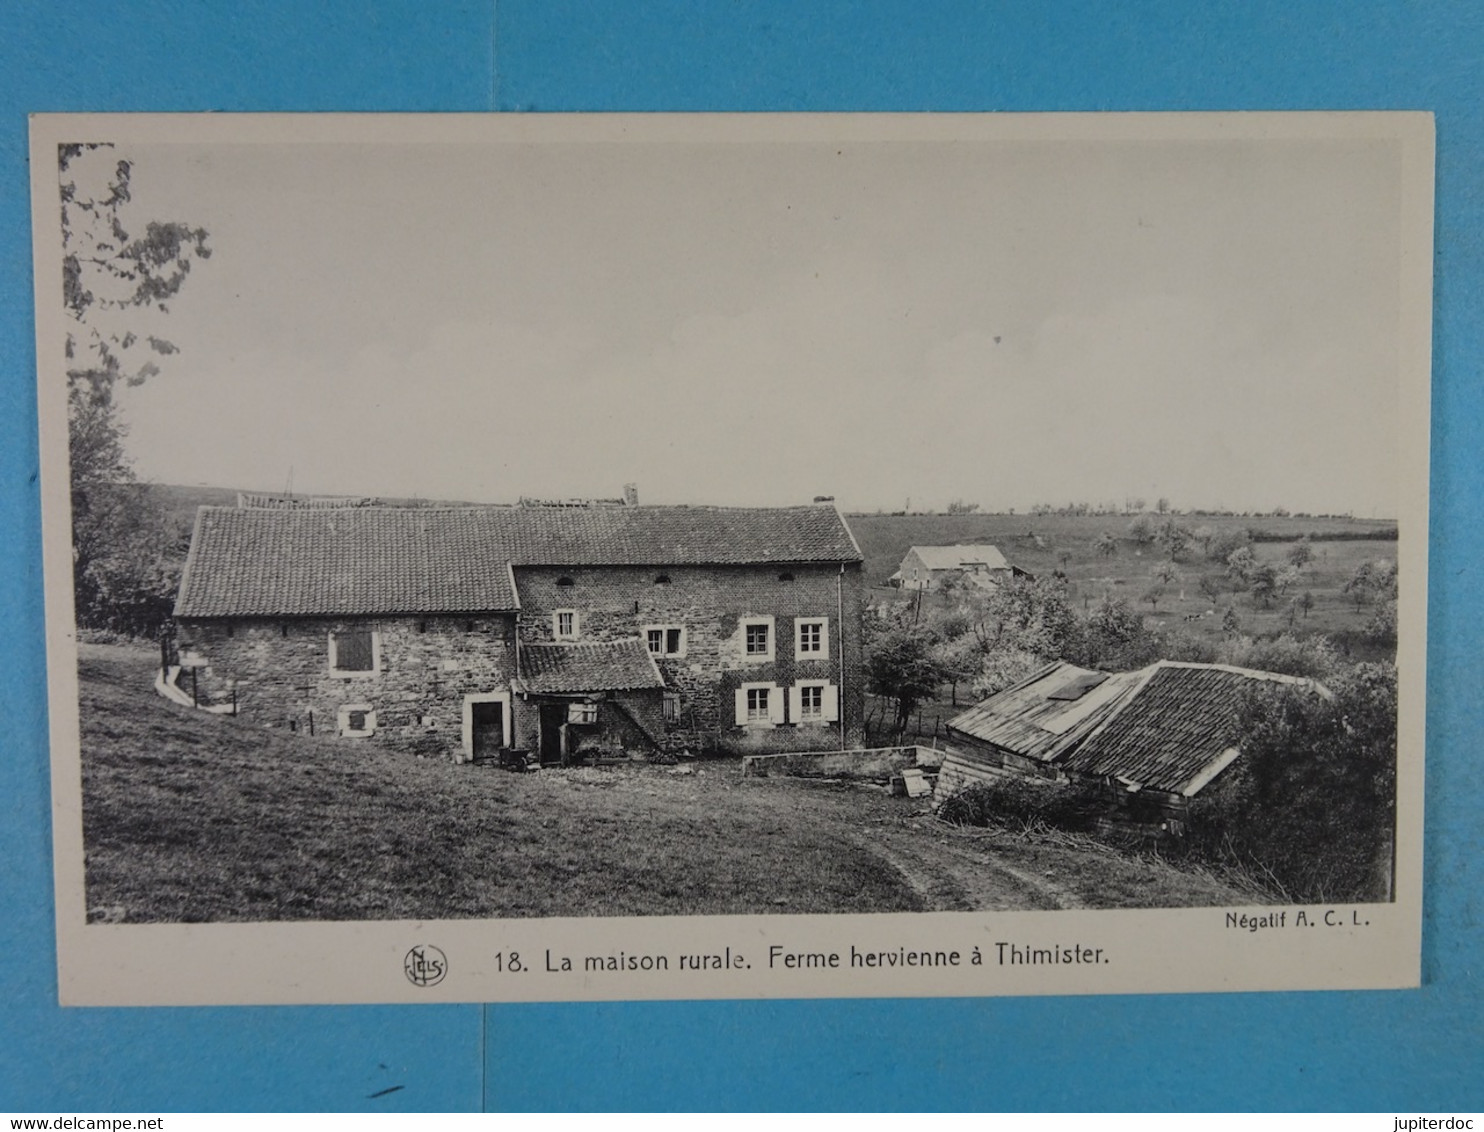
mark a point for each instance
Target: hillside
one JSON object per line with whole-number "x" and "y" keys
{"x": 196, "y": 817}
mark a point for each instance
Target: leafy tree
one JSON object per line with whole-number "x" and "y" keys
{"x": 1162, "y": 505}
{"x": 1173, "y": 539}
{"x": 1311, "y": 802}
{"x": 1223, "y": 544}
{"x": 1114, "y": 636}
{"x": 1262, "y": 583}
{"x": 1240, "y": 563}
{"x": 1211, "y": 586}
{"x": 110, "y": 278}
{"x": 1360, "y": 584}
{"x": 902, "y": 664}
{"x": 1203, "y": 535}
{"x": 1141, "y": 530}
{"x": 1230, "y": 623}
{"x": 1106, "y": 545}
{"x": 1152, "y": 596}
{"x": 1165, "y": 571}
{"x": 1301, "y": 553}
{"x": 1306, "y": 602}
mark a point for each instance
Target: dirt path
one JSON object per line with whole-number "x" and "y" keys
{"x": 954, "y": 872}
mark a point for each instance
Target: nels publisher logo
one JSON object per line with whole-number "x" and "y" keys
{"x": 425, "y": 966}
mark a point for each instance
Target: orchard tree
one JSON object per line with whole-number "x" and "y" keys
{"x": 115, "y": 277}
{"x": 1106, "y": 545}
{"x": 1301, "y": 553}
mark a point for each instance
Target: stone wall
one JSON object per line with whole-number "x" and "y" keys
{"x": 711, "y": 605}
{"x": 282, "y": 676}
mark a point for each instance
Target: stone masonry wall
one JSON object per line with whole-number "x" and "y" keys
{"x": 710, "y": 604}
{"x": 281, "y": 672}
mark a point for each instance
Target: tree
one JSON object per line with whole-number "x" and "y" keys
{"x": 1301, "y": 553}
{"x": 1064, "y": 556}
{"x": 1311, "y": 802}
{"x": 1152, "y": 596}
{"x": 1162, "y": 505}
{"x": 1141, "y": 530}
{"x": 1210, "y": 586}
{"x": 960, "y": 507}
{"x": 1306, "y": 602}
{"x": 111, "y": 278}
{"x": 1173, "y": 539}
{"x": 1165, "y": 571}
{"x": 1240, "y": 563}
{"x": 1203, "y": 535}
{"x": 1361, "y": 582}
{"x": 1106, "y": 545}
{"x": 1262, "y": 583}
{"x": 901, "y": 664}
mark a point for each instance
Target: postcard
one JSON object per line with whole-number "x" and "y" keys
{"x": 564, "y": 557}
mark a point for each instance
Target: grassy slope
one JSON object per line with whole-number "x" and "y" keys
{"x": 191, "y": 817}
{"x": 1036, "y": 542}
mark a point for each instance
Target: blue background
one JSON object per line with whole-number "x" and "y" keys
{"x": 1386, "y": 1050}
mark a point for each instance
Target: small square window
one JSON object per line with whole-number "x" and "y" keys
{"x": 664, "y": 640}
{"x": 582, "y": 713}
{"x": 564, "y": 624}
{"x": 812, "y": 637}
{"x": 354, "y": 652}
{"x": 757, "y": 640}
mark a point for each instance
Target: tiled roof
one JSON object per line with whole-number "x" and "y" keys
{"x": 1047, "y": 713}
{"x": 962, "y": 557}
{"x": 367, "y": 560}
{"x": 1176, "y": 729}
{"x": 609, "y": 666}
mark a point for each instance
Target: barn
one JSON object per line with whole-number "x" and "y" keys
{"x": 1153, "y": 738}
{"x": 930, "y": 567}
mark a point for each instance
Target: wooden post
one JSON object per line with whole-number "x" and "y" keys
{"x": 195, "y": 699}
{"x": 234, "y": 699}
{"x": 311, "y": 723}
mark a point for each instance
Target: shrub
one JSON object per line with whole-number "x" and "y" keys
{"x": 1021, "y": 803}
{"x": 1311, "y": 804}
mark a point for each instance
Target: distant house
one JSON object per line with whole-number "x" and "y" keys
{"x": 559, "y": 631}
{"x": 929, "y": 567}
{"x": 1155, "y": 738}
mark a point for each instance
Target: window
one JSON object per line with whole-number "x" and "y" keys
{"x": 759, "y": 705}
{"x": 662, "y": 579}
{"x": 355, "y": 652}
{"x": 672, "y": 707}
{"x": 814, "y": 701}
{"x": 786, "y": 576}
{"x": 356, "y": 720}
{"x": 665, "y": 640}
{"x": 564, "y": 624}
{"x": 811, "y": 702}
{"x": 757, "y": 638}
{"x": 582, "y": 713}
{"x": 812, "y": 638}
{"x": 565, "y": 581}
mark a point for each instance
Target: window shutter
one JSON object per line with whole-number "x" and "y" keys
{"x": 741, "y": 698}
{"x": 831, "y": 703}
{"x": 775, "y": 704}
{"x": 795, "y": 703}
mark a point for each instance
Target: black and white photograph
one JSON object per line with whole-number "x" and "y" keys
{"x": 561, "y": 557}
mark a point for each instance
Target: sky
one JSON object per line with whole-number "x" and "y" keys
{"x": 898, "y": 324}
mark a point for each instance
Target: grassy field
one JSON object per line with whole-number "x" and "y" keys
{"x": 193, "y": 817}
{"x": 1043, "y": 544}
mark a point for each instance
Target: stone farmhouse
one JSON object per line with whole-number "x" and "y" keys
{"x": 1153, "y": 738}
{"x": 529, "y": 631}
{"x": 929, "y": 567}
